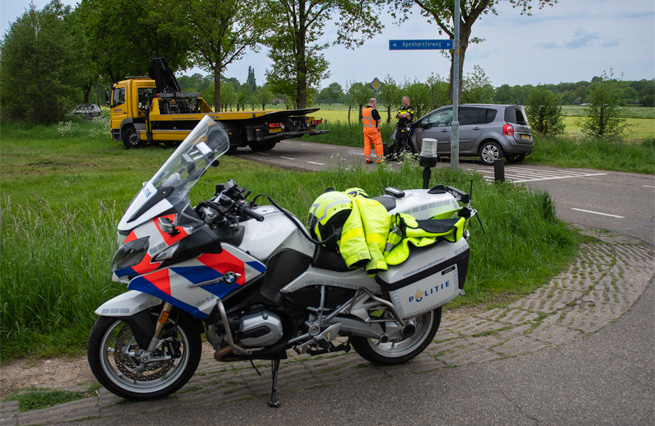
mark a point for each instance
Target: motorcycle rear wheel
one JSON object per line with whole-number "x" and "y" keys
{"x": 112, "y": 355}
{"x": 399, "y": 351}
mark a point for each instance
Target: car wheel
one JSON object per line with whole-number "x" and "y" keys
{"x": 131, "y": 138}
{"x": 490, "y": 152}
{"x": 516, "y": 158}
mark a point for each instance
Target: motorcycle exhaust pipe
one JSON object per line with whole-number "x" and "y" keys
{"x": 409, "y": 330}
{"x": 222, "y": 352}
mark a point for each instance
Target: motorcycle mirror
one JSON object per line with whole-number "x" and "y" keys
{"x": 167, "y": 226}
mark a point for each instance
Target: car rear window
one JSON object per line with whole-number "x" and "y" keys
{"x": 514, "y": 114}
{"x": 490, "y": 115}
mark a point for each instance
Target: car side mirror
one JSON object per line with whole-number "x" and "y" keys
{"x": 424, "y": 125}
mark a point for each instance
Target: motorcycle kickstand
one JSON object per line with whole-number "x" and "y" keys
{"x": 275, "y": 365}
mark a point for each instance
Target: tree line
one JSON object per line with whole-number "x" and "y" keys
{"x": 64, "y": 53}
{"x": 428, "y": 95}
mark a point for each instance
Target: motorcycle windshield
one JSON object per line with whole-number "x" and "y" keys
{"x": 170, "y": 186}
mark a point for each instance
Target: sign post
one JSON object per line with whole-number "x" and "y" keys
{"x": 454, "y": 129}
{"x": 376, "y": 85}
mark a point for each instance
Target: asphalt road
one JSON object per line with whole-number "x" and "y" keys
{"x": 619, "y": 202}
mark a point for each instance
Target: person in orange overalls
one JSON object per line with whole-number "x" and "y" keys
{"x": 371, "y": 119}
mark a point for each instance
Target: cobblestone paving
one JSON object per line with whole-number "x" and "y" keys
{"x": 605, "y": 280}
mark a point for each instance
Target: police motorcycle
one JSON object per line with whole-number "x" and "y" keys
{"x": 257, "y": 282}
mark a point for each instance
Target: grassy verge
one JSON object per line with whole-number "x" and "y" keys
{"x": 638, "y": 157}
{"x": 564, "y": 151}
{"x": 64, "y": 192}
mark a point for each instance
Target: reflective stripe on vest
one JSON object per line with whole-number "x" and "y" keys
{"x": 367, "y": 117}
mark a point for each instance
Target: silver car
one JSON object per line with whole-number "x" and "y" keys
{"x": 488, "y": 131}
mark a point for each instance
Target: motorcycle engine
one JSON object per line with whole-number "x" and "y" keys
{"x": 258, "y": 329}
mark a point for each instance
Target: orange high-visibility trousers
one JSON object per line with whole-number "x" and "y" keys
{"x": 372, "y": 136}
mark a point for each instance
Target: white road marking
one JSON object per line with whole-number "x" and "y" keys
{"x": 532, "y": 175}
{"x": 318, "y": 164}
{"x": 593, "y": 212}
{"x": 648, "y": 186}
{"x": 288, "y": 158}
{"x": 559, "y": 177}
{"x": 264, "y": 154}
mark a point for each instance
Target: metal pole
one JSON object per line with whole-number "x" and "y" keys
{"x": 454, "y": 129}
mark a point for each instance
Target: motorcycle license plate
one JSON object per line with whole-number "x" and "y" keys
{"x": 426, "y": 294}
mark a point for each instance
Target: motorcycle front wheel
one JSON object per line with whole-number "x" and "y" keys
{"x": 399, "y": 351}
{"x": 119, "y": 365}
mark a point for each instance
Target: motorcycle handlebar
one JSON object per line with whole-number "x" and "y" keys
{"x": 250, "y": 212}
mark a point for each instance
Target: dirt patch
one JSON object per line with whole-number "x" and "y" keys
{"x": 52, "y": 373}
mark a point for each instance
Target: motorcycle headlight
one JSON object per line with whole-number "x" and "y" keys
{"x": 166, "y": 254}
{"x": 130, "y": 254}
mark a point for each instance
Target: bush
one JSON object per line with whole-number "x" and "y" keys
{"x": 544, "y": 112}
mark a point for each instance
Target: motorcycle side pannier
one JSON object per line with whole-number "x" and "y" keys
{"x": 430, "y": 278}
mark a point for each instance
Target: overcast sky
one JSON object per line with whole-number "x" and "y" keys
{"x": 574, "y": 40}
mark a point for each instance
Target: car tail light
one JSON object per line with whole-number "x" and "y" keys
{"x": 274, "y": 125}
{"x": 508, "y": 129}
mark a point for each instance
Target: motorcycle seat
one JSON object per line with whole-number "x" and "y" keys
{"x": 329, "y": 259}
{"x": 389, "y": 203}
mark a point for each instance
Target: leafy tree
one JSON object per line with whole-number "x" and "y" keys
{"x": 442, "y": 13}
{"x": 389, "y": 95}
{"x": 477, "y": 87}
{"x": 438, "y": 90}
{"x": 263, "y": 96}
{"x": 41, "y": 57}
{"x": 219, "y": 31}
{"x": 603, "y": 114}
{"x": 358, "y": 94}
{"x": 419, "y": 96}
{"x": 244, "y": 95}
{"x": 647, "y": 94}
{"x": 544, "y": 112}
{"x": 295, "y": 47}
{"x": 331, "y": 94}
{"x": 229, "y": 94}
{"x": 504, "y": 95}
{"x": 125, "y": 34}
{"x": 251, "y": 78}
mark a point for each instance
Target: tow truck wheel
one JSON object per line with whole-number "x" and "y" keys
{"x": 264, "y": 146}
{"x": 131, "y": 138}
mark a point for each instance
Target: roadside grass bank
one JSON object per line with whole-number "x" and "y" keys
{"x": 63, "y": 194}
{"x": 561, "y": 151}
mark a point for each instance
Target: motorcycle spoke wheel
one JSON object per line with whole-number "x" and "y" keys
{"x": 399, "y": 351}
{"x": 115, "y": 359}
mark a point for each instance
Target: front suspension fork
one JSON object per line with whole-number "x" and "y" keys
{"x": 163, "y": 318}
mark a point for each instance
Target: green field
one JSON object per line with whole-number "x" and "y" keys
{"x": 641, "y": 120}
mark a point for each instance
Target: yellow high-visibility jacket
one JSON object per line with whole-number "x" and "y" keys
{"x": 364, "y": 235}
{"x": 370, "y": 237}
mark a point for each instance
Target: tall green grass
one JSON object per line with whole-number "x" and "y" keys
{"x": 62, "y": 197}
{"x": 594, "y": 154}
{"x": 563, "y": 151}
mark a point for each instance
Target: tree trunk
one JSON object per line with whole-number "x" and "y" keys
{"x": 217, "y": 88}
{"x": 301, "y": 58}
{"x": 462, "y": 54}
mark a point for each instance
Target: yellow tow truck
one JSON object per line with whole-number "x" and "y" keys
{"x": 152, "y": 109}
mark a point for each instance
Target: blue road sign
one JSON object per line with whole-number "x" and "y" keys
{"x": 420, "y": 44}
